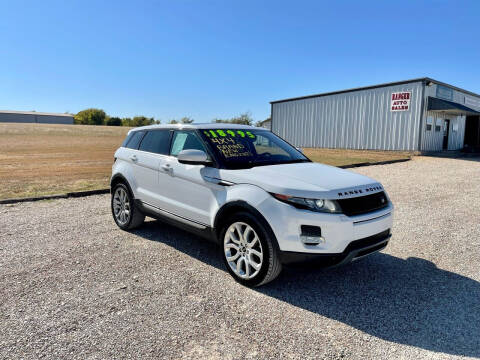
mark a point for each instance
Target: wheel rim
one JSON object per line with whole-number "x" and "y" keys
{"x": 121, "y": 206}
{"x": 243, "y": 250}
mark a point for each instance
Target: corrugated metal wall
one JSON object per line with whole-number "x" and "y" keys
{"x": 353, "y": 120}
{"x": 50, "y": 119}
{"x": 458, "y": 97}
{"x": 432, "y": 140}
{"x": 31, "y": 118}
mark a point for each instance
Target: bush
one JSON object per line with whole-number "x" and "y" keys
{"x": 113, "y": 121}
{"x": 126, "y": 122}
{"x": 90, "y": 117}
{"x": 98, "y": 117}
{"x": 244, "y": 119}
{"x": 142, "y": 121}
{"x": 186, "y": 120}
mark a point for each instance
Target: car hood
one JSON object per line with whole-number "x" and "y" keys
{"x": 309, "y": 180}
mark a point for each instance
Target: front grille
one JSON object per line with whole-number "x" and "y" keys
{"x": 368, "y": 241}
{"x": 363, "y": 204}
{"x": 370, "y": 250}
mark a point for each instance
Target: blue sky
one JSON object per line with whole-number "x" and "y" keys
{"x": 207, "y": 59}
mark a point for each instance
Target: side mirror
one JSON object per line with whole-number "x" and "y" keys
{"x": 193, "y": 157}
{"x": 299, "y": 149}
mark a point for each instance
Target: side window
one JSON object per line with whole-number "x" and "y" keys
{"x": 156, "y": 141}
{"x": 185, "y": 140}
{"x": 429, "y": 123}
{"x": 135, "y": 140}
{"x": 127, "y": 139}
{"x": 263, "y": 146}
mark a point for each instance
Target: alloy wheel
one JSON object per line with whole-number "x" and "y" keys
{"x": 121, "y": 206}
{"x": 243, "y": 250}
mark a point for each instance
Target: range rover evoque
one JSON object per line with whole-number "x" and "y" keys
{"x": 260, "y": 198}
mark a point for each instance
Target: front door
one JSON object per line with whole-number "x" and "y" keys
{"x": 446, "y": 131}
{"x": 187, "y": 192}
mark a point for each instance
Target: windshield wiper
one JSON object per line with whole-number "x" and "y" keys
{"x": 293, "y": 161}
{"x": 254, "y": 163}
{"x": 266, "y": 163}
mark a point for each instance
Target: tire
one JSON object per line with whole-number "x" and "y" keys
{"x": 254, "y": 270}
{"x": 123, "y": 200}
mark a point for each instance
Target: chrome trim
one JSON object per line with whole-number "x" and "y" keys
{"x": 218, "y": 181}
{"x": 173, "y": 216}
{"x": 371, "y": 219}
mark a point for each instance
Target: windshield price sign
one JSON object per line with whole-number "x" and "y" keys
{"x": 400, "y": 101}
{"x": 228, "y": 133}
{"x": 229, "y": 142}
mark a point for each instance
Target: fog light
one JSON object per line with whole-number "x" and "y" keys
{"x": 312, "y": 240}
{"x": 311, "y": 235}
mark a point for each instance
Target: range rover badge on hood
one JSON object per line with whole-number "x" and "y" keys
{"x": 361, "y": 191}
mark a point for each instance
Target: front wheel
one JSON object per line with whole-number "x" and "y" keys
{"x": 126, "y": 215}
{"x": 249, "y": 251}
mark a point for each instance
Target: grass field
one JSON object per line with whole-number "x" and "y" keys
{"x": 42, "y": 159}
{"x": 339, "y": 157}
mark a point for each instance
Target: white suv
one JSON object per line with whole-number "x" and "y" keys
{"x": 260, "y": 198}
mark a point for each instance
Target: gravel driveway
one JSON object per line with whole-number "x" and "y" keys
{"x": 75, "y": 286}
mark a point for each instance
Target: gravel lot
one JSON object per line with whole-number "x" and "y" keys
{"x": 75, "y": 286}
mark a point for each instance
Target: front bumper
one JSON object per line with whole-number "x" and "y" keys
{"x": 355, "y": 250}
{"x": 338, "y": 230}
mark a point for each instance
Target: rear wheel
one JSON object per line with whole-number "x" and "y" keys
{"x": 249, "y": 252}
{"x": 126, "y": 215}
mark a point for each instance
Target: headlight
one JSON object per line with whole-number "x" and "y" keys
{"x": 320, "y": 205}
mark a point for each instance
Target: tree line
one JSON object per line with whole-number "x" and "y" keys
{"x": 99, "y": 117}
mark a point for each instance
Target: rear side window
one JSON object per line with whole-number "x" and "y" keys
{"x": 157, "y": 141}
{"x": 135, "y": 140}
{"x": 127, "y": 139}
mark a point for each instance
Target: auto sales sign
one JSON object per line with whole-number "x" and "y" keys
{"x": 400, "y": 101}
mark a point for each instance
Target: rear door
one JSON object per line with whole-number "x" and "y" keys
{"x": 127, "y": 155}
{"x": 151, "y": 154}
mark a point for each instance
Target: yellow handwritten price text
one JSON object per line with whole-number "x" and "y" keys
{"x": 226, "y": 133}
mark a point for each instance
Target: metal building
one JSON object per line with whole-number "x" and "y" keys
{"x": 413, "y": 115}
{"x": 35, "y": 117}
{"x": 267, "y": 124}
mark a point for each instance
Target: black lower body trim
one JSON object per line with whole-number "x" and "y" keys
{"x": 207, "y": 232}
{"x": 356, "y": 249}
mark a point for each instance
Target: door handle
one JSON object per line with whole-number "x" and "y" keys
{"x": 166, "y": 167}
{"x": 134, "y": 158}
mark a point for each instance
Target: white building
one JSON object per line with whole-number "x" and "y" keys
{"x": 420, "y": 114}
{"x": 35, "y": 117}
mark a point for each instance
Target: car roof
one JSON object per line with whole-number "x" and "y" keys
{"x": 198, "y": 126}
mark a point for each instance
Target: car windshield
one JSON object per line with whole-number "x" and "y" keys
{"x": 241, "y": 148}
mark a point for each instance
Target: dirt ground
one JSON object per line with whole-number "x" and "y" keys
{"x": 339, "y": 157}
{"x": 74, "y": 286}
{"x": 40, "y": 159}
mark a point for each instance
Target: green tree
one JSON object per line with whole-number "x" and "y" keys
{"x": 126, "y": 121}
{"x": 186, "y": 120}
{"x": 244, "y": 119}
{"x": 113, "y": 121}
{"x": 260, "y": 122}
{"x": 90, "y": 117}
{"x": 142, "y": 121}
{"x": 173, "y": 121}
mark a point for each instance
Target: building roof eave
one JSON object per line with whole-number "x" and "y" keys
{"x": 424, "y": 80}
